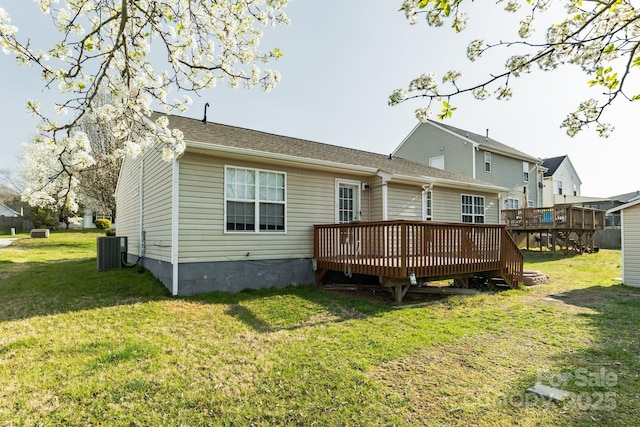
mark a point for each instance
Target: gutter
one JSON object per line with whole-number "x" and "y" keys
{"x": 443, "y": 182}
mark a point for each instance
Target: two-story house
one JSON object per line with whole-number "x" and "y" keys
{"x": 479, "y": 157}
{"x": 561, "y": 183}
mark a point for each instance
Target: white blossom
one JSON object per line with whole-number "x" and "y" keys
{"x": 423, "y": 114}
{"x": 205, "y": 43}
{"x": 451, "y": 76}
{"x": 474, "y": 50}
{"x": 397, "y": 96}
{"x": 595, "y": 36}
{"x": 481, "y": 93}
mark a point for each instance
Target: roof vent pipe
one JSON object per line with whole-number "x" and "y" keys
{"x": 204, "y": 120}
{"x": 486, "y": 138}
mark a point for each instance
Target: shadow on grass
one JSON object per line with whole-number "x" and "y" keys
{"x": 602, "y": 378}
{"x": 292, "y": 307}
{"x": 534, "y": 257}
{"x": 40, "y": 289}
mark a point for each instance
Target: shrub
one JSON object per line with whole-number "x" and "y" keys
{"x": 111, "y": 232}
{"x": 103, "y": 223}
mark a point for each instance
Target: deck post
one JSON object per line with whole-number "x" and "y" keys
{"x": 399, "y": 291}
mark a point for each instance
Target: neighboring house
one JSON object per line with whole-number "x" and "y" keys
{"x": 479, "y": 157}
{"x": 237, "y": 209}
{"x": 630, "y": 224}
{"x": 561, "y": 182}
{"x": 8, "y": 212}
{"x": 10, "y": 218}
{"x": 89, "y": 219}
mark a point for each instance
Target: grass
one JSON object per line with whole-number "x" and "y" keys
{"x": 82, "y": 347}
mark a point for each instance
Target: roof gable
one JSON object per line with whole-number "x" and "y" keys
{"x": 552, "y": 164}
{"x": 7, "y": 211}
{"x": 484, "y": 142}
{"x": 626, "y": 197}
{"x": 633, "y": 202}
{"x": 213, "y": 136}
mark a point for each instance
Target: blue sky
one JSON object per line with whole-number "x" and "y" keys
{"x": 341, "y": 61}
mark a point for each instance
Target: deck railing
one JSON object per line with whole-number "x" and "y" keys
{"x": 559, "y": 216}
{"x": 395, "y": 249}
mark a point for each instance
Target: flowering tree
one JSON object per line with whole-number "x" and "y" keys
{"x": 105, "y": 45}
{"x": 602, "y": 37}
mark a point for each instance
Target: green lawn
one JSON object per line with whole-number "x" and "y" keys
{"x": 80, "y": 347}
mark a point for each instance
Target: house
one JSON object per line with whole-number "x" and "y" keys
{"x": 10, "y": 218}
{"x": 479, "y": 157}
{"x": 561, "y": 183}
{"x": 630, "y": 225}
{"x": 237, "y": 210}
{"x": 6, "y": 211}
{"x": 613, "y": 217}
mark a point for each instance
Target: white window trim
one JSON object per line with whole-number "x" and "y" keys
{"x": 425, "y": 196}
{"x": 432, "y": 159}
{"x": 525, "y": 171}
{"x": 256, "y": 201}
{"x": 473, "y": 214}
{"x": 358, "y": 186}
{"x": 487, "y": 153}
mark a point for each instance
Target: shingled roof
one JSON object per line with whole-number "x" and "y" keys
{"x": 552, "y": 164}
{"x": 487, "y": 143}
{"x": 212, "y": 136}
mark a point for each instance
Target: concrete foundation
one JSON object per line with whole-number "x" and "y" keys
{"x": 232, "y": 276}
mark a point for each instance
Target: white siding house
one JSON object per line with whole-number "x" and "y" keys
{"x": 561, "y": 182}
{"x": 237, "y": 209}
{"x": 630, "y": 223}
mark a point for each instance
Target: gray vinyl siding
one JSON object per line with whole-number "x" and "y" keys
{"x": 404, "y": 202}
{"x": 631, "y": 245}
{"x": 155, "y": 191}
{"x": 310, "y": 199}
{"x": 428, "y": 141}
{"x": 374, "y": 198}
{"x": 447, "y": 205}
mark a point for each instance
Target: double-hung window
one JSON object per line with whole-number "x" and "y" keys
{"x": 487, "y": 161}
{"x": 473, "y": 209}
{"x": 254, "y": 200}
{"x": 525, "y": 171}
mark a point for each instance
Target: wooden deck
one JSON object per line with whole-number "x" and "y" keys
{"x": 571, "y": 227}
{"x": 399, "y": 251}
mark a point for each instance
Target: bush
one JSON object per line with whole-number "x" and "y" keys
{"x": 111, "y": 232}
{"x": 103, "y": 223}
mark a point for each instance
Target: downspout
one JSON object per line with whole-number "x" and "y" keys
{"x": 174, "y": 226}
{"x": 474, "y": 148}
{"x": 384, "y": 200}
